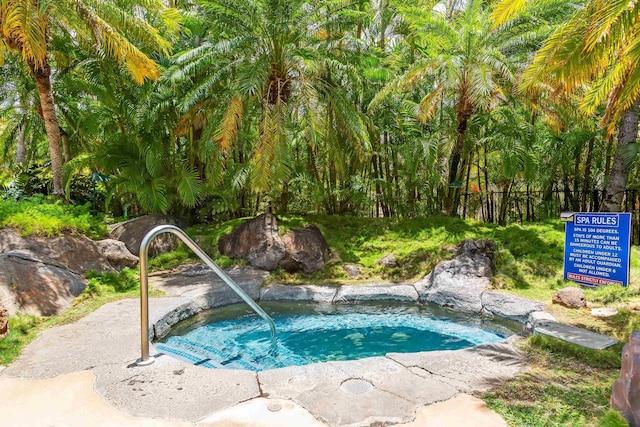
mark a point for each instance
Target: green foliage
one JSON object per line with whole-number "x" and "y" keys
{"x": 22, "y": 329}
{"x": 49, "y": 217}
{"x": 111, "y": 282}
{"x": 611, "y": 294}
{"x": 612, "y": 418}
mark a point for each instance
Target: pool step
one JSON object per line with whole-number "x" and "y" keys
{"x": 206, "y": 354}
{"x": 187, "y": 356}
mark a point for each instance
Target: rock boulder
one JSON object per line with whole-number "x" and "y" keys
{"x": 625, "y": 397}
{"x": 570, "y": 297}
{"x": 305, "y": 250}
{"x": 460, "y": 282}
{"x": 133, "y": 231}
{"x": 34, "y": 284}
{"x": 388, "y": 261}
{"x": 75, "y": 252}
{"x": 352, "y": 270}
{"x": 258, "y": 241}
{"x": 509, "y": 306}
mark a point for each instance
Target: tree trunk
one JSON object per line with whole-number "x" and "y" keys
{"x": 42, "y": 75}
{"x": 456, "y": 156}
{"x": 21, "y": 149}
{"x": 66, "y": 148}
{"x": 586, "y": 184}
{"x": 617, "y": 184}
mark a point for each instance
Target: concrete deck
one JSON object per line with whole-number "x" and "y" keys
{"x": 83, "y": 374}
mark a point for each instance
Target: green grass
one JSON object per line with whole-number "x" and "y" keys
{"x": 49, "y": 217}
{"x": 102, "y": 288}
{"x": 566, "y": 386}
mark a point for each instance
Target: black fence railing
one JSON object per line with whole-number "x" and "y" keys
{"x": 528, "y": 206}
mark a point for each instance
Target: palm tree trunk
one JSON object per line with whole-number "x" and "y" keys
{"x": 42, "y": 75}
{"x": 21, "y": 150}
{"x": 66, "y": 148}
{"x": 617, "y": 184}
{"x": 456, "y": 156}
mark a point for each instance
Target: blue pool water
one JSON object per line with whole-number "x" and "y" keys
{"x": 232, "y": 338}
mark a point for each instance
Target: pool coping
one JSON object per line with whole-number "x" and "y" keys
{"x": 106, "y": 342}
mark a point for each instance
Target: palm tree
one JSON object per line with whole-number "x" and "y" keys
{"x": 269, "y": 73}
{"x": 596, "y": 49}
{"x": 470, "y": 72}
{"x": 28, "y": 27}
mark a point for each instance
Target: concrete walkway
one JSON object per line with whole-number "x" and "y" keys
{"x": 83, "y": 374}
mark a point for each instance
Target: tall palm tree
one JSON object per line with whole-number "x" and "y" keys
{"x": 597, "y": 48}
{"x": 27, "y": 28}
{"x": 267, "y": 68}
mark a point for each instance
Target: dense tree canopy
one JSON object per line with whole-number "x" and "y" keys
{"x": 492, "y": 110}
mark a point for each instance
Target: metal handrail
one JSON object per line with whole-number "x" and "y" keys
{"x": 144, "y": 286}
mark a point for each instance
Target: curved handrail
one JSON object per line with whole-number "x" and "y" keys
{"x": 144, "y": 285}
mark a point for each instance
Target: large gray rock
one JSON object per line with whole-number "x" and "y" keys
{"x": 133, "y": 231}
{"x": 258, "y": 241}
{"x": 509, "y": 306}
{"x": 305, "y": 250}
{"x": 75, "y": 252}
{"x": 34, "y": 284}
{"x": 570, "y": 297}
{"x": 460, "y": 282}
{"x": 625, "y": 396}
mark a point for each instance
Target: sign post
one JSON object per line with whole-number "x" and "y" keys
{"x": 597, "y": 247}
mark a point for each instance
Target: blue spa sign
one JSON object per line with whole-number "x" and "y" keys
{"x": 596, "y": 249}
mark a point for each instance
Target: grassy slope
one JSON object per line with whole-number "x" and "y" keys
{"x": 567, "y": 386}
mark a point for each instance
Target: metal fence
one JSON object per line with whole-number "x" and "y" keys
{"x": 528, "y": 206}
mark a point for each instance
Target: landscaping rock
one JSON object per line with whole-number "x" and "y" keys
{"x": 570, "y": 297}
{"x": 352, "y": 270}
{"x": 354, "y": 294}
{"x": 604, "y": 312}
{"x": 388, "y": 261}
{"x": 4, "y": 320}
{"x": 625, "y": 397}
{"x": 509, "y": 306}
{"x": 133, "y": 231}
{"x": 38, "y": 285}
{"x": 537, "y": 317}
{"x": 460, "y": 282}
{"x": 319, "y": 294}
{"x": 116, "y": 253}
{"x": 258, "y": 242}
{"x": 305, "y": 250}
{"x": 76, "y": 252}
